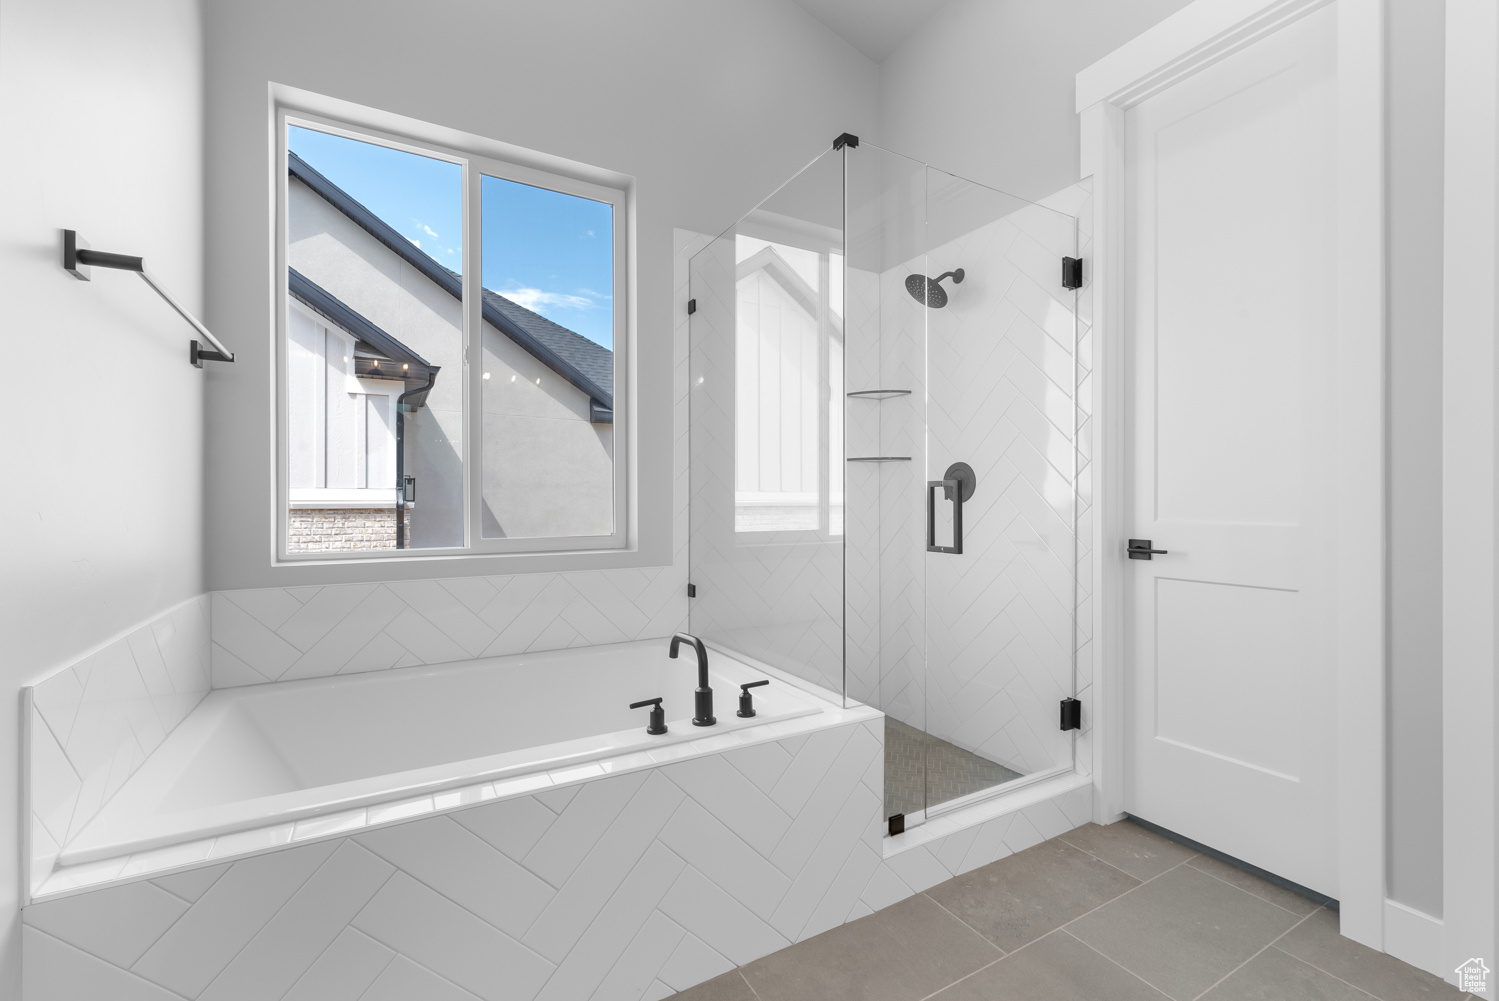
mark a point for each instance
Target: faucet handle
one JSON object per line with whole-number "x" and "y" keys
{"x": 658, "y": 715}
{"x": 746, "y": 700}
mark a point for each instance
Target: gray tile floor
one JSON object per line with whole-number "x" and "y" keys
{"x": 920, "y": 768}
{"x": 1111, "y": 913}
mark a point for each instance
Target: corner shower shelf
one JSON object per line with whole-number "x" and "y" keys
{"x": 878, "y": 458}
{"x": 877, "y": 394}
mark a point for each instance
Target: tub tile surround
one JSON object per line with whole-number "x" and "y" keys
{"x": 623, "y": 886}
{"x": 90, "y": 725}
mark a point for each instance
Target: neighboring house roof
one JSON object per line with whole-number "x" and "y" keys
{"x": 586, "y": 365}
{"x": 333, "y": 309}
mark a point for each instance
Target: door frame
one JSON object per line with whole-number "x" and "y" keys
{"x": 1198, "y": 35}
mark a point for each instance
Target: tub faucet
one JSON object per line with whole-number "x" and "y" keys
{"x": 704, "y": 695}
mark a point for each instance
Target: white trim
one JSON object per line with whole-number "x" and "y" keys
{"x": 1012, "y": 802}
{"x": 1469, "y": 467}
{"x": 1415, "y": 938}
{"x": 1197, "y": 36}
{"x": 336, "y": 498}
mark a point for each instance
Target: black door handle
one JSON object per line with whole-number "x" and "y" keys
{"x": 1139, "y": 549}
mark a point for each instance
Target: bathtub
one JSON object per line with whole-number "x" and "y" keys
{"x": 265, "y": 755}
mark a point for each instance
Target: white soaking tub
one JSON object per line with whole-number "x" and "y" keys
{"x": 263, "y": 755}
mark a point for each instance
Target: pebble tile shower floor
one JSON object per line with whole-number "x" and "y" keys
{"x": 920, "y": 768}
{"x": 1113, "y": 913}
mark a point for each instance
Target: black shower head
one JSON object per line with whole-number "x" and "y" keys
{"x": 926, "y": 290}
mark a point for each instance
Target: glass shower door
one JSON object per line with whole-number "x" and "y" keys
{"x": 999, "y": 475}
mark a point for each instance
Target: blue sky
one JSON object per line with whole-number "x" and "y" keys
{"x": 550, "y": 252}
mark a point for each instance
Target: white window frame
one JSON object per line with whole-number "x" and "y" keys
{"x": 475, "y": 166}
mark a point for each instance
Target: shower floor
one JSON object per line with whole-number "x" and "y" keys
{"x": 921, "y": 769}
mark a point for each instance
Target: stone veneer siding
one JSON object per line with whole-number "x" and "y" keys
{"x": 341, "y": 529}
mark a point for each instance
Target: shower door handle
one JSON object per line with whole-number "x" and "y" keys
{"x": 951, "y": 490}
{"x": 957, "y": 485}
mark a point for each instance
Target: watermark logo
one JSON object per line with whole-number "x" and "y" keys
{"x": 1473, "y": 976}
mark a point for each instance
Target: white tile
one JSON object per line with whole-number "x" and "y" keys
{"x": 724, "y": 924}
{"x": 170, "y": 857}
{"x": 83, "y": 874}
{"x": 230, "y": 672}
{"x": 54, "y": 784}
{"x": 58, "y": 698}
{"x": 917, "y": 868}
{"x": 842, "y": 899}
{"x": 840, "y": 839}
{"x": 724, "y": 792}
{"x": 193, "y": 883}
{"x": 462, "y": 867}
{"x": 692, "y": 963}
{"x": 453, "y": 799}
{"x": 344, "y": 971}
{"x": 417, "y": 634}
{"x": 404, "y": 980}
{"x": 556, "y": 800}
{"x": 704, "y": 842}
{"x": 988, "y": 844}
{"x": 271, "y": 606}
{"x": 116, "y": 924}
{"x": 513, "y": 826}
{"x": 606, "y": 866}
{"x": 580, "y": 826}
{"x": 885, "y": 888}
{"x": 319, "y": 614}
{"x": 426, "y": 927}
{"x": 240, "y": 634}
{"x": 618, "y": 922}
{"x": 299, "y": 932}
{"x": 658, "y": 991}
{"x": 1022, "y": 834}
{"x": 953, "y": 849}
{"x": 836, "y": 783}
{"x": 802, "y": 776}
{"x": 647, "y": 953}
{"x": 438, "y": 606}
{"x": 227, "y": 917}
{"x": 52, "y": 970}
{"x": 536, "y": 783}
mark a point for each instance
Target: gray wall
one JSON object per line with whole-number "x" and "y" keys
{"x": 708, "y": 105}
{"x": 101, "y": 110}
{"x": 985, "y": 89}
{"x": 1415, "y": 303}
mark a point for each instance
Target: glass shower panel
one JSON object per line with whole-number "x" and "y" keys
{"x": 999, "y": 597}
{"x": 767, "y": 517}
{"x": 884, "y": 411}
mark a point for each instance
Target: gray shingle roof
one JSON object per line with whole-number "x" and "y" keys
{"x": 586, "y": 365}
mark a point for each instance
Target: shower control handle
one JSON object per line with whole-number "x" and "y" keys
{"x": 658, "y": 715}
{"x": 746, "y": 700}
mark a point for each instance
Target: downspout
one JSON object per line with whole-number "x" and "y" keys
{"x": 401, "y": 455}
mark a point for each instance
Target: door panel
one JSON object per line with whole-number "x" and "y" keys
{"x": 1231, "y": 316}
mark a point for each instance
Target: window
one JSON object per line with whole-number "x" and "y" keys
{"x": 788, "y": 448}
{"x": 449, "y": 349}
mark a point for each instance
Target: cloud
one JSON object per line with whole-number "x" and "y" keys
{"x": 417, "y": 243}
{"x": 539, "y": 301}
{"x": 594, "y": 295}
{"x": 429, "y": 231}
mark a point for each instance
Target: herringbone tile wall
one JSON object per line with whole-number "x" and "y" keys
{"x": 618, "y": 889}
{"x": 92, "y": 724}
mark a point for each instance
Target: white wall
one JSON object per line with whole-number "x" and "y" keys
{"x": 101, "y": 109}
{"x": 708, "y": 106}
{"x": 1415, "y": 316}
{"x": 985, "y": 89}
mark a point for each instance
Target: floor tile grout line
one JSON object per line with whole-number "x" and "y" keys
{"x": 754, "y": 993}
{"x": 1106, "y": 959}
{"x": 1376, "y": 997}
{"x": 1126, "y": 893}
{"x": 1272, "y": 903}
{"x": 1258, "y": 952}
{"x": 1002, "y": 952}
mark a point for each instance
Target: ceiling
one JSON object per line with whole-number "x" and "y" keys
{"x": 874, "y": 27}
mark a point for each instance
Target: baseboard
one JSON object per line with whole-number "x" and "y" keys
{"x": 1414, "y": 938}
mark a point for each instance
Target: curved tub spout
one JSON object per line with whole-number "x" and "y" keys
{"x": 704, "y": 695}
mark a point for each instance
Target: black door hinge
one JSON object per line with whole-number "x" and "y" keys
{"x": 692, "y": 590}
{"x": 691, "y": 306}
{"x": 898, "y": 824}
{"x": 1072, "y": 714}
{"x": 847, "y": 139}
{"x": 1072, "y": 272}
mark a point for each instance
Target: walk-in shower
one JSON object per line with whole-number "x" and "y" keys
{"x": 885, "y": 466}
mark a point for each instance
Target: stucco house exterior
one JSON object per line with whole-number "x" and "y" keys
{"x": 375, "y": 389}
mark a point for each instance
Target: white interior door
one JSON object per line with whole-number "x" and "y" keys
{"x": 1231, "y": 324}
